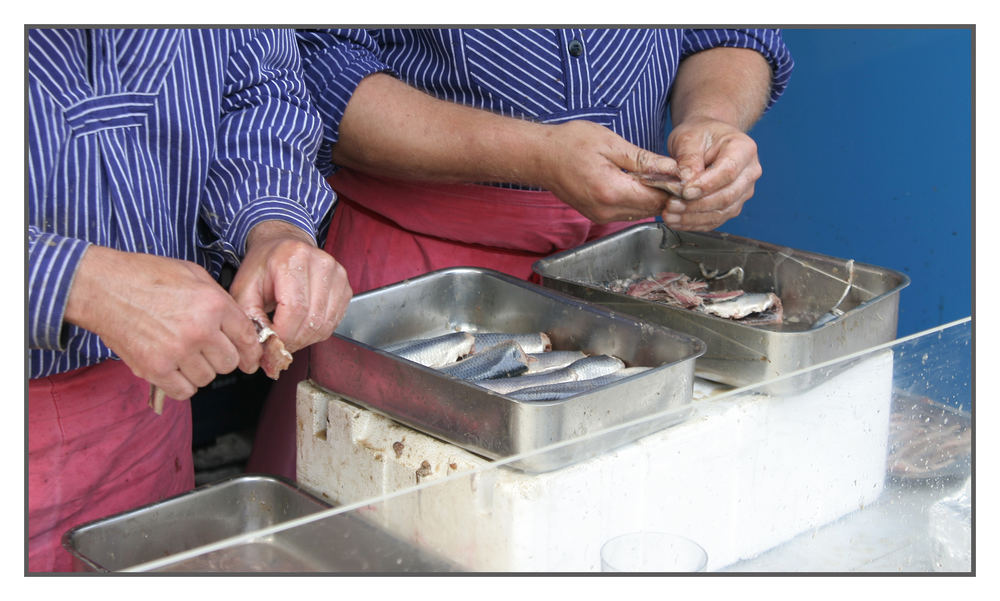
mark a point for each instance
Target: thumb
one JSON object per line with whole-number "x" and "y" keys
{"x": 689, "y": 152}
{"x": 641, "y": 160}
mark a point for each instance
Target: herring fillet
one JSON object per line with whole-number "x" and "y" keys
{"x": 503, "y": 360}
{"x": 553, "y": 392}
{"x": 435, "y": 352}
{"x": 547, "y": 361}
{"x": 535, "y": 342}
{"x": 582, "y": 369}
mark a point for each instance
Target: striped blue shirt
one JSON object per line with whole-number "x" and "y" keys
{"x": 619, "y": 78}
{"x": 161, "y": 141}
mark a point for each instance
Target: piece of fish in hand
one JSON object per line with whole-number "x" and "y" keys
{"x": 562, "y": 390}
{"x": 582, "y": 369}
{"x": 435, "y": 352}
{"x": 275, "y": 358}
{"x": 539, "y": 363}
{"x": 503, "y": 360}
{"x": 534, "y": 342}
{"x": 663, "y": 181}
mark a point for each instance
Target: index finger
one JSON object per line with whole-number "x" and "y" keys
{"x": 239, "y": 329}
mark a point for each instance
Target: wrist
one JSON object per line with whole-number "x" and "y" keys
{"x": 89, "y": 290}
{"x": 267, "y": 231}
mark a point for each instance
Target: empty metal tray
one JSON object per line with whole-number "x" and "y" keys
{"x": 241, "y": 505}
{"x": 351, "y": 364}
{"x": 832, "y": 307}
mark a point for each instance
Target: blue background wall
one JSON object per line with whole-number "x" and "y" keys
{"x": 867, "y": 156}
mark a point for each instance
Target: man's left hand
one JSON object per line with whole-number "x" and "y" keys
{"x": 718, "y": 166}
{"x": 283, "y": 271}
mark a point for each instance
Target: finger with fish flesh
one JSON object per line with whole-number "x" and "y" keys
{"x": 535, "y": 342}
{"x": 434, "y": 352}
{"x": 503, "y": 360}
{"x": 275, "y": 358}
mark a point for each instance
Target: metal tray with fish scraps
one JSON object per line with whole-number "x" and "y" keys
{"x": 832, "y": 307}
{"x": 353, "y": 364}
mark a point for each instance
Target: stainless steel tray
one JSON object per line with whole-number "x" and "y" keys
{"x": 240, "y": 505}
{"x": 860, "y": 301}
{"x": 351, "y": 364}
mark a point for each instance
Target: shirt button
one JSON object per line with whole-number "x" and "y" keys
{"x": 576, "y": 48}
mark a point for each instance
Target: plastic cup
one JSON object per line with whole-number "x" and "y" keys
{"x": 652, "y": 552}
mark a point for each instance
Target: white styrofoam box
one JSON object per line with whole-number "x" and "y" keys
{"x": 745, "y": 473}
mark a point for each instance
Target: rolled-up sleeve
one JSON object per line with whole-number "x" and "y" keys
{"x": 768, "y": 42}
{"x": 52, "y": 262}
{"x": 268, "y": 138}
{"x": 334, "y": 61}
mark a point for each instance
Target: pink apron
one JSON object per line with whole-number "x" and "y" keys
{"x": 95, "y": 448}
{"x": 386, "y": 230}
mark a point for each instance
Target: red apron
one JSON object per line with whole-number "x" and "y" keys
{"x": 95, "y": 448}
{"x": 386, "y": 230}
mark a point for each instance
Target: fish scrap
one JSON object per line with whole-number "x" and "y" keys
{"x": 683, "y": 291}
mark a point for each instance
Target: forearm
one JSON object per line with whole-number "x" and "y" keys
{"x": 731, "y": 85}
{"x": 393, "y": 129}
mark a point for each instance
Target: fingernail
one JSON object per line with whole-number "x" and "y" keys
{"x": 676, "y": 206}
{"x": 692, "y": 193}
{"x": 686, "y": 173}
{"x": 672, "y": 218}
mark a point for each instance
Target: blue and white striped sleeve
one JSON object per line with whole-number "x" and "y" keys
{"x": 334, "y": 61}
{"x": 768, "y": 42}
{"x": 268, "y": 136}
{"x": 52, "y": 262}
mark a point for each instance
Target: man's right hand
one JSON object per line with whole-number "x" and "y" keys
{"x": 167, "y": 319}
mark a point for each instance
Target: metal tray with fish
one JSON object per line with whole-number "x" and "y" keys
{"x": 355, "y": 364}
{"x": 831, "y": 307}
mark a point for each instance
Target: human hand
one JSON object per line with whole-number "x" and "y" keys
{"x": 718, "y": 166}
{"x": 284, "y": 272}
{"x": 590, "y": 168}
{"x": 167, "y": 319}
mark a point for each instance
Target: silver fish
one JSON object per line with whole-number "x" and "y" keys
{"x": 503, "y": 360}
{"x": 434, "y": 352}
{"x": 553, "y": 392}
{"x": 535, "y": 342}
{"x": 582, "y": 369}
{"x": 542, "y": 362}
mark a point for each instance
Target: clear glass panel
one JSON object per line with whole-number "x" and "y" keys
{"x": 866, "y": 470}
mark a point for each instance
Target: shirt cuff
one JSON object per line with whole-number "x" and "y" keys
{"x": 272, "y": 208}
{"x": 767, "y": 42}
{"x": 52, "y": 264}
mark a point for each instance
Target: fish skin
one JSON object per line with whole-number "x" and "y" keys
{"x": 435, "y": 352}
{"x": 582, "y": 369}
{"x": 539, "y": 363}
{"x": 503, "y": 360}
{"x": 741, "y": 306}
{"x": 664, "y": 181}
{"x": 534, "y": 342}
{"x": 555, "y": 392}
